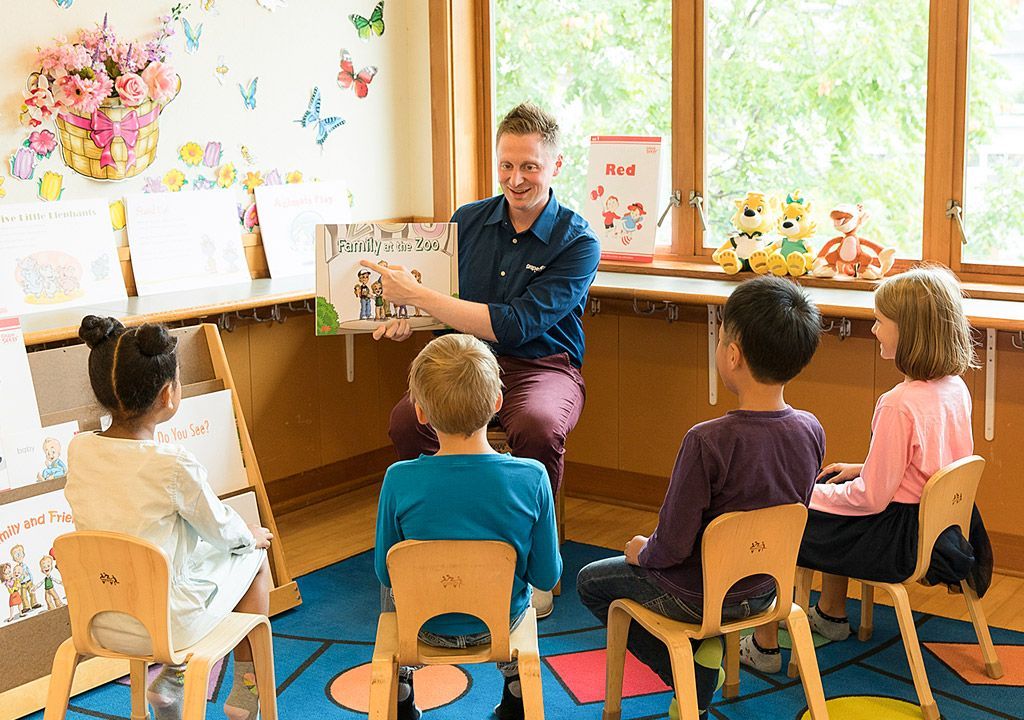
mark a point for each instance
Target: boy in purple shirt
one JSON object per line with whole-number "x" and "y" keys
{"x": 765, "y": 453}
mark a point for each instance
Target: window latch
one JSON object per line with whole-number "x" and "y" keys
{"x": 674, "y": 200}
{"x": 956, "y": 211}
{"x": 697, "y": 201}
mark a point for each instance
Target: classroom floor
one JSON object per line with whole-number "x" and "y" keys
{"x": 339, "y": 528}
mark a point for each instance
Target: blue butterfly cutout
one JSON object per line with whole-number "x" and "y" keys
{"x": 249, "y": 96}
{"x": 64, "y": 4}
{"x": 191, "y": 36}
{"x": 324, "y": 126}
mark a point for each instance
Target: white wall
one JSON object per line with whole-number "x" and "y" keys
{"x": 382, "y": 152}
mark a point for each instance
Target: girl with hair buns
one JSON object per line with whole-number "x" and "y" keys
{"x": 123, "y": 480}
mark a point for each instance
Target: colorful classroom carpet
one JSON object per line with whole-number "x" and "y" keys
{"x": 322, "y": 648}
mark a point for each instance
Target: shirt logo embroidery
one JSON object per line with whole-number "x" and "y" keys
{"x": 535, "y": 268}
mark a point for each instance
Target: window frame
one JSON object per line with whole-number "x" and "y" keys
{"x": 464, "y": 111}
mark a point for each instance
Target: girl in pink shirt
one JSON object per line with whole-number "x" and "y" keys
{"x": 863, "y": 518}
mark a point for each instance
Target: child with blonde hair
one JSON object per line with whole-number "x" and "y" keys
{"x": 455, "y": 386}
{"x": 122, "y": 480}
{"x": 863, "y": 518}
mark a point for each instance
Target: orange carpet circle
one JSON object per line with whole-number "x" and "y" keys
{"x": 436, "y": 686}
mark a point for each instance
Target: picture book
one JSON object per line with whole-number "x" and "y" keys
{"x": 288, "y": 217}
{"x": 350, "y": 297}
{"x": 623, "y": 190}
{"x": 38, "y": 455}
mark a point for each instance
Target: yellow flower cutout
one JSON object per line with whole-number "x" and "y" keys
{"x": 2, "y": 191}
{"x": 191, "y": 153}
{"x": 117, "y": 218}
{"x": 173, "y": 180}
{"x": 226, "y": 175}
{"x": 51, "y": 186}
{"x": 293, "y": 177}
{"x": 252, "y": 180}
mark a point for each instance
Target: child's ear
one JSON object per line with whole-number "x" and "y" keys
{"x": 499, "y": 402}
{"x": 167, "y": 395}
{"x": 734, "y": 355}
{"x": 421, "y": 416}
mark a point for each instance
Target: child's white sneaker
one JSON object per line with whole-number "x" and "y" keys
{"x": 835, "y": 629}
{"x": 543, "y": 601}
{"x": 753, "y": 655}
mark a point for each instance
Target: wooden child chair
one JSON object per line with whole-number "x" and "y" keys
{"x": 947, "y": 500}
{"x": 735, "y": 545}
{"x": 110, "y": 572}
{"x": 431, "y": 578}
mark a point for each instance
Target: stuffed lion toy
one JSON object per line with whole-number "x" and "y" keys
{"x": 744, "y": 250}
{"x": 792, "y": 255}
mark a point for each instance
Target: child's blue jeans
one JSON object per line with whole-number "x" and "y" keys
{"x": 601, "y": 583}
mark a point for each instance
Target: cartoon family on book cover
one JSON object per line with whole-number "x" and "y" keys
{"x": 351, "y": 298}
{"x": 623, "y": 184}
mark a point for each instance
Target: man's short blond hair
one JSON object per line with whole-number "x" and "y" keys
{"x": 926, "y": 303}
{"x": 527, "y": 119}
{"x": 456, "y": 381}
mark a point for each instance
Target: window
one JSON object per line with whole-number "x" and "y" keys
{"x": 601, "y": 68}
{"x": 823, "y": 97}
{"x": 994, "y": 173}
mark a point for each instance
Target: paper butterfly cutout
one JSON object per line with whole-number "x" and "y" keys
{"x": 209, "y": 6}
{"x": 191, "y": 36}
{"x": 375, "y": 25}
{"x": 324, "y": 126}
{"x": 249, "y": 95}
{"x": 64, "y": 4}
{"x": 348, "y": 78}
{"x": 221, "y": 70}
{"x": 247, "y": 154}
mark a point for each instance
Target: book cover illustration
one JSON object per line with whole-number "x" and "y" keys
{"x": 623, "y": 182}
{"x": 350, "y": 298}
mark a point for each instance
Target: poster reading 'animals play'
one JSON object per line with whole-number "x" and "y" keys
{"x": 350, "y": 297}
{"x": 30, "y": 580}
{"x": 57, "y": 255}
{"x": 623, "y": 190}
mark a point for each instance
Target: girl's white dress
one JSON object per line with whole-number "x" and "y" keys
{"x": 159, "y": 492}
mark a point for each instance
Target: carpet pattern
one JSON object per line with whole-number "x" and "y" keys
{"x": 322, "y": 649}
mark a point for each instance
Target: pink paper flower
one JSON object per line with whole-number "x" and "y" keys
{"x": 40, "y": 105}
{"x": 132, "y": 89}
{"x": 42, "y": 142}
{"x": 161, "y": 80}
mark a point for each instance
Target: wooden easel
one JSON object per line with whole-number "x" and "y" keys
{"x": 63, "y": 393}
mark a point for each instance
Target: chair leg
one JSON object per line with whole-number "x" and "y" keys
{"x": 901, "y": 604}
{"x": 993, "y": 667}
{"x": 684, "y": 677}
{"x": 383, "y": 689}
{"x": 807, "y": 660}
{"x": 802, "y": 597}
{"x": 197, "y": 683}
{"x": 529, "y": 679}
{"x": 867, "y": 612}
{"x": 731, "y": 688}
{"x": 262, "y": 645}
{"x": 615, "y": 663}
{"x": 139, "y": 669}
{"x": 62, "y": 675}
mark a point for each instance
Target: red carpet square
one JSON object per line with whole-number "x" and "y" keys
{"x": 965, "y": 660}
{"x": 582, "y": 674}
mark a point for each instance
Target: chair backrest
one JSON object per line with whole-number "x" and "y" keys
{"x": 947, "y": 500}
{"x": 756, "y": 542}
{"x": 434, "y": 577}
{"x": 111, "y": 572}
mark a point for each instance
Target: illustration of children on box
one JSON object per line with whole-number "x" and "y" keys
{"x": 13, "y": 587}
{"x": 23, "y": 575}
{"x": 365, "y": 295}
{"x": 631, "y": 221}
{"x": 55, "y": 467}
{"x": 378, "y": 300}
{"x": 50, "y": 581}
{"x": 611, "y": 204}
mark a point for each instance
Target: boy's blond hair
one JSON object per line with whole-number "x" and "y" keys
{"x": 926, "y": 304}
{"x": 527, "y": 119}
{"x": 456, "y": 381}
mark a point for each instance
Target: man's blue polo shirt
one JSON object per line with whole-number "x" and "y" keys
{"x": 535, "y": 282}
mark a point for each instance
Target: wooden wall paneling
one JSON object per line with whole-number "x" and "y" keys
{"x": 593, "y": 441}
{"x": 349, "y": 412}
{"x": 236, "y": 347}
{"x": 285, "y": 398}
{"x": 658, "y": 364}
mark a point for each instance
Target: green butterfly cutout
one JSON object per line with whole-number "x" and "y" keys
{"x": 375, "y": 25}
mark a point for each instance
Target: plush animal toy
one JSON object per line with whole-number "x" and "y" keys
{"x": 792, "y": 255}
{"x": 744, "y": 250}
{"x": 848, "y": 254}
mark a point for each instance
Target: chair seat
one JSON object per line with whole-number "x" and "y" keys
{"x": 663, "y": 627}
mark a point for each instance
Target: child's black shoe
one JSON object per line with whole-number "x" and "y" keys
{"x": 511, "y": 705}
{"x": 407, "y": 709}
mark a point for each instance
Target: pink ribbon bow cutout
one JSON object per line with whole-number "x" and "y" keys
{"x": 104, "y": 130}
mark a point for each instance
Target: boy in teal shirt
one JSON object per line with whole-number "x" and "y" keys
{"x": 467, "y": 491}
